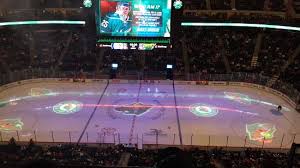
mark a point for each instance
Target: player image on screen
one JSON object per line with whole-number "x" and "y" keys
{"x": 133, "y": 18}
{"x": 118, "y": 23}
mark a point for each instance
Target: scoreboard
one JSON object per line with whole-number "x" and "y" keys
{"x": 133, "y": 24}
{"x": 132, "y": 46}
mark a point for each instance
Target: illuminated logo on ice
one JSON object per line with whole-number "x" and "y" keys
{"x": 134, "y": 109}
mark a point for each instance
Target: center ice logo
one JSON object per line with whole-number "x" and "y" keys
{"x": 134, "y": 109}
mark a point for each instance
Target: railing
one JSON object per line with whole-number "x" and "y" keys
{"x": 283, "y": 141}
{"x": 285, "y": 88}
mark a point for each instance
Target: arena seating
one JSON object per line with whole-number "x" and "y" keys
{"x": 67, "y": 155}
{"x": 201, "y": 50}
{"x": 277, "y": 46}
{"x": 14, "y": 52}
{"x": 292, "y": 74}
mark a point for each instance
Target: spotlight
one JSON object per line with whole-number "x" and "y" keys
{"x": 114, "y": 66}
{"x": 113, "y": 71}
{"x": 169, "y": 71}
{"x": 169, "y": 66}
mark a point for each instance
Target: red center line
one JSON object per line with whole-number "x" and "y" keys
{"x": 134, "y": 106}
{"x": 165, "y": 106}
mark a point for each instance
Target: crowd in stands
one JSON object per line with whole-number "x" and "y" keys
{"x": 8, "y": 14}
{"x": 267, "y": 5}
{"x": 296, "y": 6}
{"x": 203, "y": 50}
{"x": 275, "y": 50}
{"x": 206, "y": 46}
{"x": 14, "y": 155}
{"x": 255, "y": 5}
{"x": 192, "y": 5}
{"x": 14, "y": 49}
{"x": 239, "y": 48}
{"x": 246, "y": 159}
{"x": 49, "y": 45}
{"x": 239, "y": 17}
{"x": 292, "y": 74}
{"x": 196, "y": 50}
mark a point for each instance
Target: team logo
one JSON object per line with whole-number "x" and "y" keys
{"x": 104, "y": 23}
{"x": 67, "y": 107}
{"x": 261, "y": 132}
{"x": 11, "y": 125}
{"x": 134, "y": 109}
{"x": 127, "y": 108}
{"x": 238, "y": 97}
{"x": 87, "y": 3}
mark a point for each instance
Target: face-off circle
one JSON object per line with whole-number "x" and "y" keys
{"x": 203, "y": 110}
{"x": 67, "y": 107}
{"x": 11, "y": 125}
{"x": 238, "y": 97}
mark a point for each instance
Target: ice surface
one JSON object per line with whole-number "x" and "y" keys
{"x": 134, "y": 113}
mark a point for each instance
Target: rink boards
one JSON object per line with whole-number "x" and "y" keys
{"x": 147, "y": 112}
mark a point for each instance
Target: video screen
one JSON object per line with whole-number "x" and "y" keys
{"x": 134, "y": 18}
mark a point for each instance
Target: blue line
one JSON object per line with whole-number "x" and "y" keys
{"x": 177, "y": 114}
{"x": 95, "y": 109}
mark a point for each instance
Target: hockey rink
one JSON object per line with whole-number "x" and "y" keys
{"x": 147, "y": 114}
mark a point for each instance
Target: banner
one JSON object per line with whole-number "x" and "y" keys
{"x": 201, "y": 82}
{"x": 148, "y": 82}
{"x": 97, "y": 80}
{"x": 64, "y": 80}
{"x": 218, "y": 83}
{"x": 164, "y": 82}
{"x": 236, "y": 83}
{"x": 185, "y": 82}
